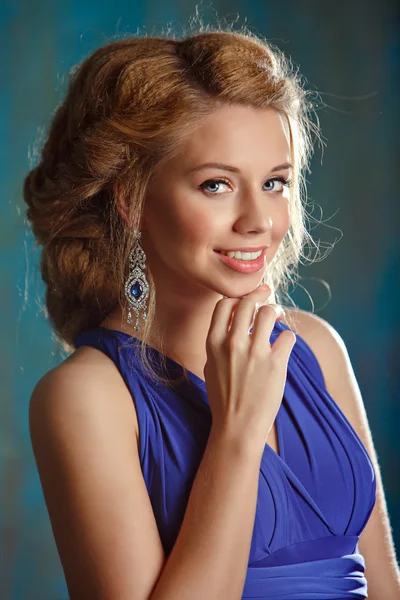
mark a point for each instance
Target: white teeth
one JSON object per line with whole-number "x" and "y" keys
{"x": 242, "y": 255}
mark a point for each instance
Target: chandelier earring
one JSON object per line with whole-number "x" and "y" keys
{"x": 136, "y": 285}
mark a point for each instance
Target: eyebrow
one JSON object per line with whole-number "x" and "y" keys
{"x": 235, "y": 169}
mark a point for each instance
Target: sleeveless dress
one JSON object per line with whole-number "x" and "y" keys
{"x": 315, "y": 495}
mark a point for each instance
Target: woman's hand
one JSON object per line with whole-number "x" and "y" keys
{"x": 245, "y": 375}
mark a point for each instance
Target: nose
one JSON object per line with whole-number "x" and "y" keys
{"x": 255, "y": 214}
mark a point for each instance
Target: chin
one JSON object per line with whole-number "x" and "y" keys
{"x": 240, "y": 291}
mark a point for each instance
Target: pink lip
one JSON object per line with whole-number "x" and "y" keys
{"x": 249, "y": 266}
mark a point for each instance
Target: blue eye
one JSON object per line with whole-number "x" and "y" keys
{"x": 285, "y": 182}
{"x": 205, "y": 184}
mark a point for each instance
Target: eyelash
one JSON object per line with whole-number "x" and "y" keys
{"x": 286, "y": 182}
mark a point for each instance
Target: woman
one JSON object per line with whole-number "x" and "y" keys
{"x": 199, "y": 442}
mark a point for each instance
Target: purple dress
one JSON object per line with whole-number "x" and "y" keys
{"x": 314, "y": 497}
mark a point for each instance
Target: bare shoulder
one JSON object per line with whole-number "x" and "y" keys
{"x": 81, "y": 423}
{"x": 309, "y": 324}
{"x": 87, "y": 385}
{"x": 86, "y": 368}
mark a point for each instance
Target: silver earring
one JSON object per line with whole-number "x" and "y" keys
{"x": 136, "y": 285}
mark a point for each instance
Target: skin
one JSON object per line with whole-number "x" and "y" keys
{"x": 183, "y": 224}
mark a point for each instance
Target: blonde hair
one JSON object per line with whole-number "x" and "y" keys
{"x": 127, "y": 108}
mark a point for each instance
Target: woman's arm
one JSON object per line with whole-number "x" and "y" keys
{"x": 83, "y": 436}
{"x": 376, "y": 542}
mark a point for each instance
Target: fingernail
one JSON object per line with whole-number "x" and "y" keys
{"x": 265, "y": 287}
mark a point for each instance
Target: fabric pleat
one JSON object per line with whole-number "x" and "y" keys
{"x": 315, "y": 495}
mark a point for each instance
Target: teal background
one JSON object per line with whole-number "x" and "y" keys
{"x": 349, "y": 52}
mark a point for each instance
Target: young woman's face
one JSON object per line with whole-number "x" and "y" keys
{"x": 192, "y": 210}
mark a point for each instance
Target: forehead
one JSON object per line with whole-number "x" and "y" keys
{"x": 236, "y": 133}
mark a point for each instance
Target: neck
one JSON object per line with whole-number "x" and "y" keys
{"x": 183, "y": 322}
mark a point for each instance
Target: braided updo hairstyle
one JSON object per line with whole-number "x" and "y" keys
{"x": 127, "y": 108}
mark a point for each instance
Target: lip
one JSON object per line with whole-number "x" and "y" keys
{"x": 249, "y": 266}
{"x": 250, "y": 249}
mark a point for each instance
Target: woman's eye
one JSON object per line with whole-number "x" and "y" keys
{"x": 283, "y": 183}
{"x": 212, "y": 182}
{"x": 217, "y": 182}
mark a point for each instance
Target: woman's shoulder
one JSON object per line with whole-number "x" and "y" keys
{"x": 303, "y": 322}
{"x": 324, "y": 341}
{"x": 84, "y": 374}
{"x": 321, "y": 338}
{"x": 312, "y": 328}
{"x": 315, "y": 330}
{"x": 87, "y": 368}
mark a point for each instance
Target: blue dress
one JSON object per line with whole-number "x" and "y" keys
{"x": 314, "y": 496}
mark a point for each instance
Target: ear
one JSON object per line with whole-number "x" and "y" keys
{"x": 120, "y": 202}
{"x": 122, "y": 206}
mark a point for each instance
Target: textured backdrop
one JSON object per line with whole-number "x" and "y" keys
{"x": 349, "y": 52}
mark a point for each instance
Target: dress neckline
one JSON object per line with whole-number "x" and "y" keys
{"x": 194, "y": 378}
{"x": 200, "y": 383}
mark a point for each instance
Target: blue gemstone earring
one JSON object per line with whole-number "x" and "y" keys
{"x": 136, "y": 285}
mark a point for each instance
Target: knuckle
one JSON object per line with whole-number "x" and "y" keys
{"x": 235, "y": 341}
{"x": 259, "y": 352}
{"x": 247, "y": 300}
{"x": 267, "y": 309}
{"x": 221, "y": 302}
{"x": 211, "y": 341}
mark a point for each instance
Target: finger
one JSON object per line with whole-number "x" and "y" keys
{"x": 244, "y": 312}
{"x": 283, "y": 345}
{"x": 223, "y": 314}
{"x": 264, "y": 323}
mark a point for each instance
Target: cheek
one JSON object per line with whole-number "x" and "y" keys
{"x": 281, "y": 222}
{"x": 197, "y": 226}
